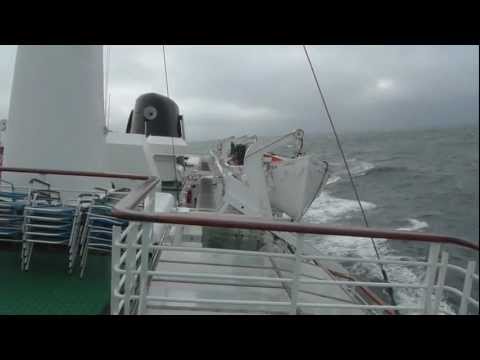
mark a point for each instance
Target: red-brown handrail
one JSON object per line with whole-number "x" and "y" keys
{"x": 125, "y": 210}
{"x": 74, "y": 173}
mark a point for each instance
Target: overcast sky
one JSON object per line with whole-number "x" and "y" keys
{"x": 268, "y": 90}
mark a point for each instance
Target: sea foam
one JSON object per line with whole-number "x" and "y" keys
{"x": 414, "y": 225}
{"x": 327, "y": 209}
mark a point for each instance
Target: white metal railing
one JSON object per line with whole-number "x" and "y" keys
{"x": 132, "y": 271}
{"x": 135, "y": 250}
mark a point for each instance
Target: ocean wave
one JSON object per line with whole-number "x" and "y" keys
{"x": 357, "y": 167}
{"x": 333, "y": 179}
{"x": 349, "y": 246}
{"x": 362, "y": 247}
{"x": 386, "y": 169}
{"x": 327, "y": 208}
{"x": 360, "y": 168}
{"x": 330, "y": 209}
{"x": 414, "y": 225}
{"x": 409, "y": 296}
{"x": 390, "y": 159}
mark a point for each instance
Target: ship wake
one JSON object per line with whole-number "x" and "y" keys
{"x": 327, "y": 209}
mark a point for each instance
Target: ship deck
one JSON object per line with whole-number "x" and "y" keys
{"x": 235, "y": 289}
{"x": 47, "y": 289}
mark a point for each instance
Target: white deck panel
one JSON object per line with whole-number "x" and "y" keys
{"x": 236, "y": 289}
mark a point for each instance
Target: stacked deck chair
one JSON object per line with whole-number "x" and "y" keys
{"x": 85, "y": 200}
{"x": 12, "y": 204}
{"x": 98, "y": 229}
{"x": 48, "y": 221}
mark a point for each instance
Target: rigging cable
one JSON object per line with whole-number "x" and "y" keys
{"x": 173, "y": 143}
{"x": 105, "y": 81}
{"x": 107, "y": 90}
{"x": 165, "y": 69}
{"x": 384, "y": 273}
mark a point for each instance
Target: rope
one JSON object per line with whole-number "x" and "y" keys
{"x": 384, "y": 274}
{"x": 173, "y": 143}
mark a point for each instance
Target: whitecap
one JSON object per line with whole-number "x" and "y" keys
{"x": 362, "y": 248}
{"x": 360, "y": 168}
{"x": 333, "y": 179}
{"x": 414, "y": 225}
{"x": 357, "y": 168}
{"x": 326, "y": 208}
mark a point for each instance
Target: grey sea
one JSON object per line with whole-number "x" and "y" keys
{"x": 419, "y": 180}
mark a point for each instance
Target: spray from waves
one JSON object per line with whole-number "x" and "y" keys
{"x": 386, "y": 170}
{"x": 360, "y": 168}
{"x": 327, "y": 209}
{"x": 357, "y": 168}
{"x": 362, "y": 248}
{"x": 412, "y": 275}
{"x": 333, "y": 179}
{"x": 414, "y": 225}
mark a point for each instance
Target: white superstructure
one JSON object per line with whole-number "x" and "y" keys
{"x": 57, "y": 121}
{"x": 56, "y": 117}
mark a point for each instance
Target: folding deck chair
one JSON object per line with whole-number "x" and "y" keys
{"x": 12, "y": 204}
{"x": 98, "y": 227}
{"x": 48, "y": 221}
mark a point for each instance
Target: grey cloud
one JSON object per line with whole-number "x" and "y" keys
{"x": 229, "y": 90}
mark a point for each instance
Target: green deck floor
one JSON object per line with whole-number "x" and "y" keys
{"x": 47, "y": 289}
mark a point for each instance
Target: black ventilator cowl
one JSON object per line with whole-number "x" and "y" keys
{"x": 158, "y": 113}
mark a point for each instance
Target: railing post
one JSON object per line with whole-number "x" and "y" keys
{"x": 467, "y": 288}
{"x": 149, "y": 204}
{"x": 178, "y": 232}
{"x": 297, "y": 272}
{"x": 146, "y": 241}
{"x": 115, "y": 278}
{"x": 430, "y": 278}
{"x": 440, "y": 282}
{"x": 130, "y": 260}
